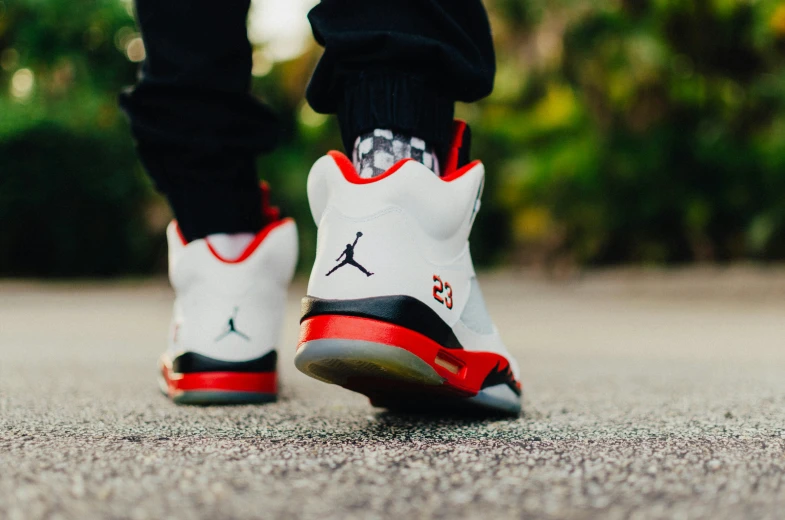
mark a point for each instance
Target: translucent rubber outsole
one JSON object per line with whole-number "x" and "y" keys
{"x": 395, "y": 378}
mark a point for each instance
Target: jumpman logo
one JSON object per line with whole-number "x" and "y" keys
{"x": 348, "y": 256}
{"x": 231, "y": 329}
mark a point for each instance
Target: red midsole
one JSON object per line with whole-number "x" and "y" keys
{"x": 256, "y": 382}
{"x": 461, "y": 369}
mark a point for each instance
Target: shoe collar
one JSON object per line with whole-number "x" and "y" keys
{"x": 272, "y": 217}
{"x": 453, "y": 169}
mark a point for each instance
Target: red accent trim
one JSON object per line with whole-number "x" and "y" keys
{"x": 458, "y": 173}
{"x": 180, "y": 233}
{"x": 474, "y": 367}
{"x": 256, "y": 382}
{"x": 350, "y": 173}
{"x": 253, "y": 245}
{"x": 270, "y": 213}
{"x": 452, "y": 155}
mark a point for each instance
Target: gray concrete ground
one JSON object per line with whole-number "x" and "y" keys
{"x": 649, "y": 395}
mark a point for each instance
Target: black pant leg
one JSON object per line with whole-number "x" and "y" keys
{"x": 400, "y": 64}
{"x": 198, "y": 129}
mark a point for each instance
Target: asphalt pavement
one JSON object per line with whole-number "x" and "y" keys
{"x": 648, "y": 394}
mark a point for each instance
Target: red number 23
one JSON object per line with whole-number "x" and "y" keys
{"x": 438, "y": 289}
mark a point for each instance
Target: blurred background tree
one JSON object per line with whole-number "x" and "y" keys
{"x": 627, "y": 131}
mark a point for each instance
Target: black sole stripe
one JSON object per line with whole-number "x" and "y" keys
{"x": 191, "y": 362}
{"x": 501, "y": 377}
{"x": 403, "y": 311}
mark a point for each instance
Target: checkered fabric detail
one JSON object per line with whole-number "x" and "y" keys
{"x": 376, "y": 152}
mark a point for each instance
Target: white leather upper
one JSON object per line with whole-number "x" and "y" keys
{"x": 210, "y": 291}
{"x": 415, "y": 226}
{"x": 443, "y": 210}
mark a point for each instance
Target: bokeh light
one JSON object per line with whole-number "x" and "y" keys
{"x": 22, "y": 83}
{"x": 281, "y": 26}
{"x": 135, "y": 50}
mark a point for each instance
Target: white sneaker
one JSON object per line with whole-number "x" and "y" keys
{"x": 227, "y": 316}
{"x": 393, "y": 309}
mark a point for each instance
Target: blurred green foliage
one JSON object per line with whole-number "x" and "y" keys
{"x": 646, "y": 131}
{"x": 639, "y": 131}
{"x": 73, "y": 200}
